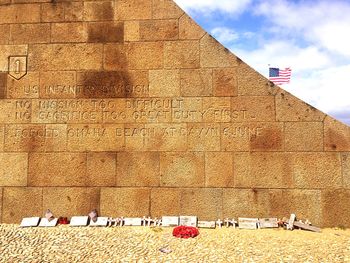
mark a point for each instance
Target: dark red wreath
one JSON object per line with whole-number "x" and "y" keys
{"x": 185, "y": 232}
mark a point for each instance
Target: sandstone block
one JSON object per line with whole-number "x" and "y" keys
{"x": 225, "y": 82}
{"x": 203, "y": 136}
{"x": 101, "y": 168}
{"x": 336, "y": 135}
{"x": 153, "y": 30}
{"x": 131, "y": 31}
{"x": 15, "y": 111}
{"x": 190, "y": 110}
{"x": 1, "y": 190}
{"x": 15, "y": 203}
{"x": 52, "y": 12}
{"x": 189, "y": 29}
{"x": 70, "y": 202}
{"x": 219, "y": 170}
{"x": 346, "y": 169}
{"x": 73, "y": 11}
{"x": 245, "y": 203}
{"x": 164, "y": 83}
{"x": 251, "y": 83}
{"x": 138, "y": 169}
{"x": 196, "y": 82}
{"x": 3, "y": 85}
{"x": 35, "y": 138}
{"x": 30, "y": 33}
{"x": 10, "y": 50}
{"x": 25, "y": 13}
{"x": 181, "y": 54}
{"x": 58, "y": 84}
{"x": 289, "y": 108}
{"x": 306, "y": 204}
{"x": 13, "y": 169}
{"x": 94, "y": 137}
{"x": 215, "y": 55}
{"x": 206, "y": 203}
{"x": 4, "y": 34}
{"x": 303, "y": 136}
{"x": 47, "y": 169}
{"x": 165, "y": 201}
{"x": 145, "y": 55}
{"x": 98, "y": 10}
{"x": 254, "y": 136}
{"x": 127, "y": 202}
{"x": 134, "y": 10}
{"x": 115, "y": 57}
{"x": 336, "y": 208}
{"x": 263, "y": 170}
{"x": 216, "y": 109}
{"x": 2, "y": 137}
{"x": 257, "y": 108}
{"x": 26, "y": 88}
{"x": 182, "y": 169}
{"x": 317, "y": 170}
{"x": 163, "y": 9}
{"x": 65, "y": 57}
{"x": 101, "y": 32}
{"x": 68, "y": 32}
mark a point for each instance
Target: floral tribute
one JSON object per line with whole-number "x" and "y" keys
{"x": 185, "y": 232}
{"x": 63, "y": 221}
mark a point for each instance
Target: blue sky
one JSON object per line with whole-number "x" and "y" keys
{"x": 310, "y": 36}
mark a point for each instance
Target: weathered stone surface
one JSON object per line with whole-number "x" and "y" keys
{"x": 346, "y": 169}
{"x": 27, "y": 87}
{"x": 10, "y": 50}
{"x": 1, "y": 191}
{"x": 336, "y": 208}
{"x": 306, "y": 204}
{"x": 13, "y": 169}
{"x": 145, "y": 55}
{"x": 203, "y": 137}
{"x": 152, "y": 30}
{"x": 15, "y": 203}
{"x": 101, "y": 168}
{"x": 166, "y": 9}
{"x": 98, "y": 10}
{"x": 4, "y": 34}
{"x": 206, "y": 203}
{"x": 317, "y": 170}
{"x": 70, "y": 202}
{"x": 68, "y": 32}
{"x": 252, "y": 136}
{"x": 134, "y": 9}
{"x": 138, "y": 169}
{"x": 25, "y": 13}
{"x": 181, "y": 54}
{"x": 303, "y": 136}
{"x": 215, "y": 55}
{"x": 219, "y": 169}
{"x": 245, "y": 203}
{"x": 30, "y": 33}
{"x": 57, "y": 169}
{"x": 57, "y": 84}
{"x": 164, "y": 83}
{"x": 196, "y": 82}
{"x": 251, "y": 83}
{"x": 225, "y": 82}
{"x": 127, "y": 202}
{"x": 189, "y": 29}
{"x": 336, "y": 135}
{"x": 289, "y": 108}
{"x": 102, "y": 32}
{"x": 65, "y": 57}
{"x": 263, "y": 170}
{"x": 165, "y": 201}
{"x": 182, "y": 169}
{"x": 131, "y": 31}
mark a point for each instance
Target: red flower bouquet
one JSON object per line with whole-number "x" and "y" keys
{"x": 63, "y": 221}
{"x": 185, "y": 232}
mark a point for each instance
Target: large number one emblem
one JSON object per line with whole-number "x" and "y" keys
{"x": 17, "y": 66}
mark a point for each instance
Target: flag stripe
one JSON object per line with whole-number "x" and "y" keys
{"x": 279, "y": 76}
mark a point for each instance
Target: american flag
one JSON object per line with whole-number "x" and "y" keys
{"x": 280, "y": 76}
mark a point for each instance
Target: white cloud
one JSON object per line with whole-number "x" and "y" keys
{"x": 225, "y": 35}
{"x": 209, "y": 6}
{"x": 320, "y": 22}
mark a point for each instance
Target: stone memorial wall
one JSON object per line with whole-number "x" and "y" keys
{"x": 128, "y": 106}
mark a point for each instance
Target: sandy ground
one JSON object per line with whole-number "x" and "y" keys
{"x": 142, "y": 244}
